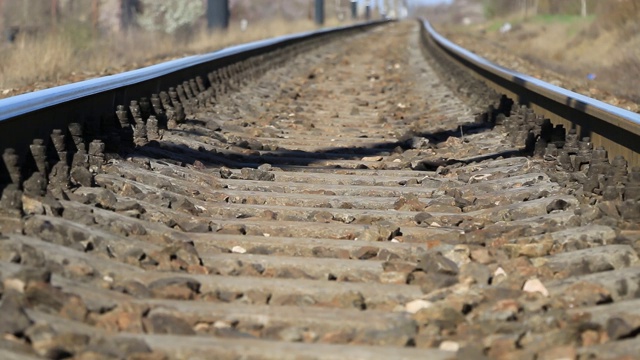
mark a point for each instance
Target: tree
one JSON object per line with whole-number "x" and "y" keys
{"x": 583, "y": 8}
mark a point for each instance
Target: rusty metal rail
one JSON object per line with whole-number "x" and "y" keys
{"x": 614, "y": 128}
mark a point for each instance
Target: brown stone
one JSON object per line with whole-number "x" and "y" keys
{"x": 566, "y": 352}
{"x": 74, "y": 309}
{"x": 175, "y": 288}
{"x": 14, "y": 320}
{"x": 592, "y": 337}
{"x": 164, "y": 323}
{"x": 435, "y": 262}
{"x": 365, "y": 253}
{"x": 125, "y": 317}
{"x": 585, "y": 293}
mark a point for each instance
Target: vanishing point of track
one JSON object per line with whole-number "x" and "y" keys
{"x": 345, "y": 196}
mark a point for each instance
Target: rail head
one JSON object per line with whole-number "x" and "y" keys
{"x": 622, "y": 119}
{"x": 577, "y": 101}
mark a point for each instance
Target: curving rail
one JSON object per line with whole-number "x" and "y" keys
{"x": 615, "y": 129}
{"x": 34, "y": 115}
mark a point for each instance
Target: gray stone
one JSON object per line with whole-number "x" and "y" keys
{"x": 256, "y": 174}
{"x": 160, "y": 323}
{"x": 11, "y": 200}
{"x": 629, "y": 210}
{"x": 478, "y": 272}
{"x": 14, "y": 320}
{"x": 128, "y": 205}
{"x": 136, "y": 289}
{"x": 193, "y": 226}
{"x": 429, "y": 282}
{"x": 184, "y": 205}
{"x": 381, "y": 231}
{"x": 36, "y": 185}
{"x": 106, "y": 199}
{"x": 118, "y": 347}
{"x": 81, "y": 176}
{"x": 436, "y": 263}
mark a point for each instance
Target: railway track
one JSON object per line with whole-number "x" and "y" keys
{"x": 341, "y": 197}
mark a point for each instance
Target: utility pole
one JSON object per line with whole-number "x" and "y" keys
{"x": 319, "y": 12}
{"x": 354, "y": 9}
{"x": 126, "y": 17}
{"x": 217, "y": 14}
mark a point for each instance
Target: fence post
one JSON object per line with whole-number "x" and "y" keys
{"x": 217, "y": 14}
{"x": 319, "y": 13}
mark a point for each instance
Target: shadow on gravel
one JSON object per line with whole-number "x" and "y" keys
{"x": 459, "y": 132}
{"x": 185, "y": 155}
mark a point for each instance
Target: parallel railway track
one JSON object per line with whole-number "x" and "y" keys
{"x": 352, "y": 194}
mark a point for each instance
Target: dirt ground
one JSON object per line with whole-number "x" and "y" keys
{"x": 568, "y": 51}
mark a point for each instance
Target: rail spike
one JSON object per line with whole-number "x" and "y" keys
{"x": 153, "y": 132}
{"x": 39, "y": 153}
{"x": 139, "y": 127}
{"x": 145, "y": 107}
{"x": 157, "y": 104}
{"x": 632, "y": 190}
{"x": 11, "y": 200}
{"x": 12, "y": 163}
{"x": 75, "y": 130}
{"x": 185, "y": 100}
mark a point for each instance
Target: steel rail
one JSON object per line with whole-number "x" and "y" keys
{"x": 34, "y": 115}
{"x": 614, "y": 128}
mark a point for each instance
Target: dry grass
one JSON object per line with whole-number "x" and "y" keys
{"x": 30, "y": 61}
{"x": 71, "y": 54}
{"x": 622, "y": 15}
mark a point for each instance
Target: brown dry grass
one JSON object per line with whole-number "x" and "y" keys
{"x": 564, "y": 49}
{"x": 620, "y": 15}
{"x": 71, "y": 54}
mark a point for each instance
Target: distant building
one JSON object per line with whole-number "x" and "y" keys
{"x": 114, "y": 16}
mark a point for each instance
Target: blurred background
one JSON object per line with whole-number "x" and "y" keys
{"x": 52, "y": 42}
{"x": 588, "y": 46}
{"x": 48, "y": 42}
{"x": 109, "y": 16}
